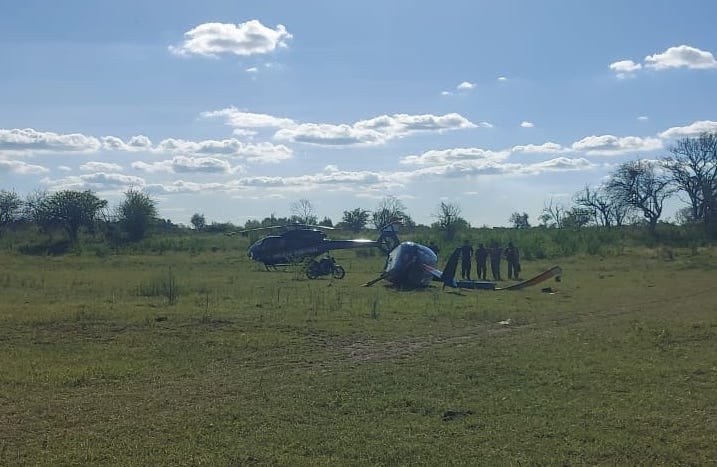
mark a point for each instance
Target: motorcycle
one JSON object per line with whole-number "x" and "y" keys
{"x": 324, "y": 267}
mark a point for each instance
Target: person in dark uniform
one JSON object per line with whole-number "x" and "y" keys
{"x": 434, "y": 247}
{"x": 495, "y": 254}
{"x": 466, "y": 260}
{"x": 512, "y": 256}
{"x": 481, "y": 261}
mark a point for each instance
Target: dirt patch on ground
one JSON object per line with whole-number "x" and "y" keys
{"x": 367, "y": 350}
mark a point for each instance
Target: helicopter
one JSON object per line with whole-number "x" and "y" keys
{"x": 300, "y": 242}
{"x": 412, "y": 265}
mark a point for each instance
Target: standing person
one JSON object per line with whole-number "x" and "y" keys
{"x": 434, "y": 247}
{"x": 495, "y": 253}
{"x": 466, "y": 260}
{"x": 481, "y": 261}
{"x": 512, "y": 256}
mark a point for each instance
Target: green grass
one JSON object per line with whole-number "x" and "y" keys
{"x": 100, "y": 366}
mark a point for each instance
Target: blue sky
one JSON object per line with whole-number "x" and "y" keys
{"x": 238, "y": 109}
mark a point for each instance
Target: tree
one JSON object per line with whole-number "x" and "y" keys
{"x": 326, "y": 222}
{"x": 597, "y": 203}
{"x": 68, "y": 209}
{"x": 684, "y": 216}
{"x": 553, "y": 214}
{"x": 388, "y": 209}
{"x": 449, "y": 219}
{"x": 37, "y": 211}
{"x": 198, "y": 221}
{"x": 519, "y": 221}
{"x": 577, "y": 217}
{"x": 603, "y": 208}
{"x": 692, "y": 166}
{"x": 303, "y": 212}
{"x": 10, "y": 208}
{"x": 640, "y": 185}
{"x": 355, "y": 220}
{"x": 136, "y": 213}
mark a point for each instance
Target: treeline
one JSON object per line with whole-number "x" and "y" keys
{"x": 637, "y": 191}
{"x": 630, "y": 202}
{"x": 75, "y": 213}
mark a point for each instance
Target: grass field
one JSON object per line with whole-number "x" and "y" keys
{"x": 205, "y": 359}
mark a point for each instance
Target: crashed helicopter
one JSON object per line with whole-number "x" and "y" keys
{"x": 411, "y": 265}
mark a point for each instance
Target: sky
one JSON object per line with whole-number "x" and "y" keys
{"x": 236, "y": 109}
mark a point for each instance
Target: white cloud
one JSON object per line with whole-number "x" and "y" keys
{"x": 139, "y": 142}
{"x": 104, "y": 180}
{"x": 100, "y": 182}
{"x": 502, "y": 79}
{"x": 465, "y": 86}
{"x": 261, "y": 153}
{"x": 134, "y": 144}
{"x": 526, "y": 124}
{"x": 401, "y": 124}
{"x": 331, "y": 135}
{"x": 243, "y": 133}
{"x": 493, "y": 167}
{"x": 609, "y": 145}
{"x": 266, "y": 153}
{"x": 548, "y": 147}
{"x": 28, "y": 140}
{"x": 625, "y": 68}
{"x": 693, "y": 129}
{"x": 643, "y": 118}
{"x": 249, "y": 38}
{"x": 100, "y": 167}
{"x": 446, "y": 156}
{"x": 373, "y": 131}
{"x": 21, "y": 168}
{"x": 183, "y": 186}
{"x": 558, "y": 164}
{"x": 183, "y": 164}
{"x": 681, "y": 56}
{"x": 240, "y": 119}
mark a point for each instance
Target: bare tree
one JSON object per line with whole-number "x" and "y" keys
{"x": 605, "y": 209}
{"x": 577, "y": 217}
{"x": 553, "y": 214}
{"x": 640, "y": 185}
{"x": 620, "y": 211}
{"x": 692, "y": 166}
{"x": 597, "y": 203}
{"x": 387, "y": 210}
{"x": 302, "y": 211}
{"x": 449, "y": 220}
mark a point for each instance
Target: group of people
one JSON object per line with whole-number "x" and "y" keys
{"x": 495, "y": 253}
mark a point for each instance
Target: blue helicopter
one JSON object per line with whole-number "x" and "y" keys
{"x": 298, "y": 243}
{"x": 411, "y": 265}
